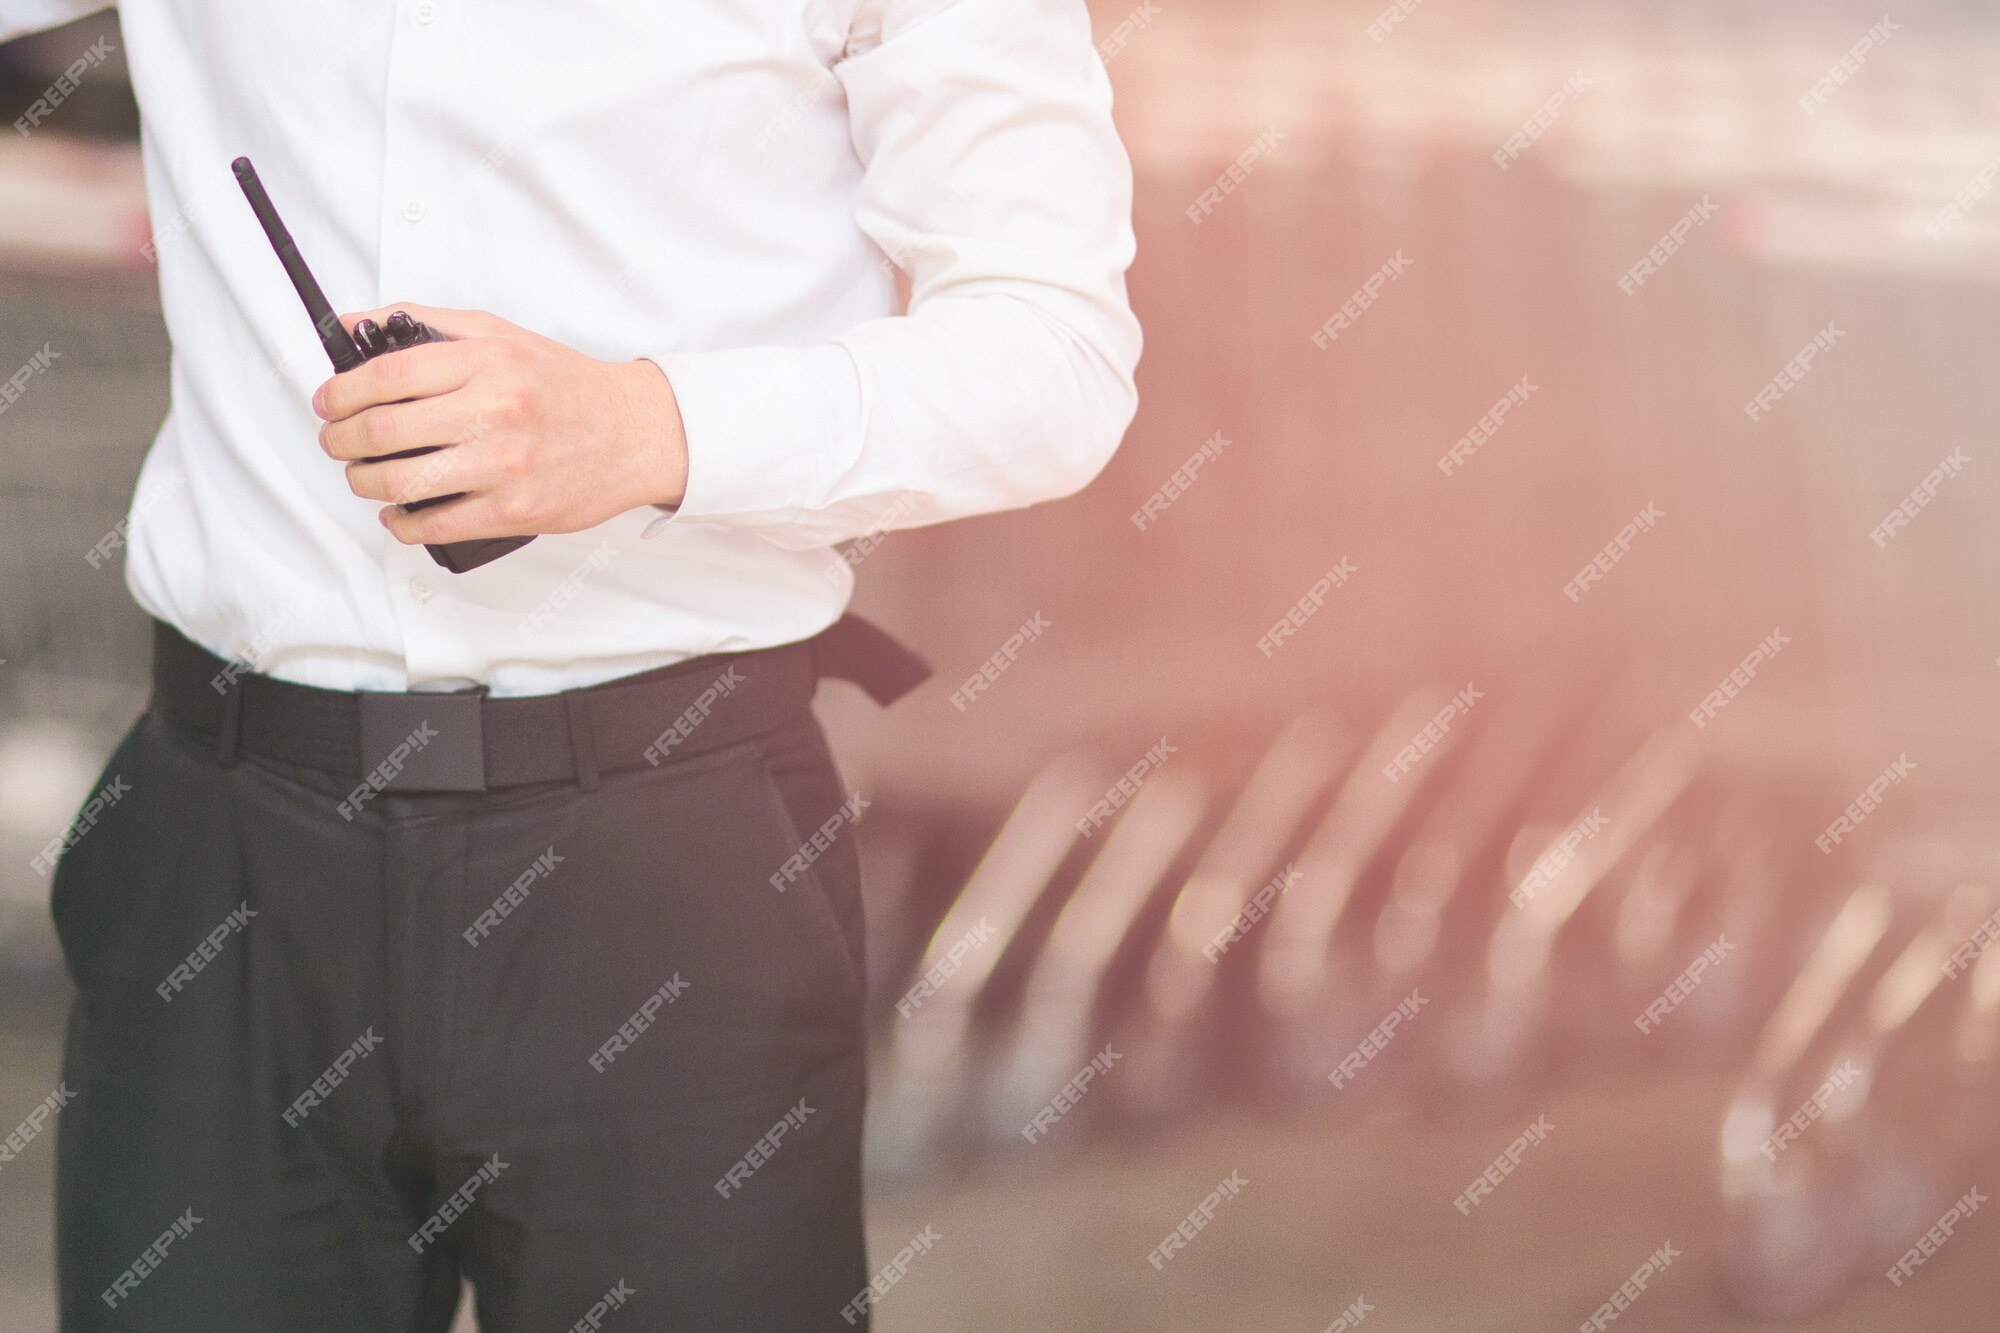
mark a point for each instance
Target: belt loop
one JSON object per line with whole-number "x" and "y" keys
{"x": 582, "y": 744}
{"x": 228, "y": 738}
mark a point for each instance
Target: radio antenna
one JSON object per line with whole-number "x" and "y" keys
{"x": 333, "y": 336}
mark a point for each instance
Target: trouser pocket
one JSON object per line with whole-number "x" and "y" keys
{"x": 128, "y": 832}
{"x": 819, "y": 821}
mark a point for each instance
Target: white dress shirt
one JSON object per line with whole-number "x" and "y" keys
{"x": 726, "y": 187}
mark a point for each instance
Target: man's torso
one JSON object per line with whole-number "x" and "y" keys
{"x": 631, "y": 179}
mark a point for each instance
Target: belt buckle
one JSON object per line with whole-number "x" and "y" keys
{"x": 424, "y": 742}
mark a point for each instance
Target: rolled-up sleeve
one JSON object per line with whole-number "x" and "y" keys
{"x": 19, "y": 17}
{"x": 994, "y": 176}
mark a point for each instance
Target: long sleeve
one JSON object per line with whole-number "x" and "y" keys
{"x": 20, "y": 17}
{"x": 994, "y": 175}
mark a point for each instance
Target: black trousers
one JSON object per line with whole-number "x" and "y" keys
{"x": 572, "y": 1045}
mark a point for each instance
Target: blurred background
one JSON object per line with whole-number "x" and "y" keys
{"x": 1564, "y": 795}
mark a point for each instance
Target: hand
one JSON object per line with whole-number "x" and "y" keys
{"x": 539, "y": 437}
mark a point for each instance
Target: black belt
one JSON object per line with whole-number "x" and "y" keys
{"x": 466, "y": 742}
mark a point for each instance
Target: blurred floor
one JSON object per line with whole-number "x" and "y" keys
{"x": 1056, "y": 1237}
{"x": 1366, "y": 1211}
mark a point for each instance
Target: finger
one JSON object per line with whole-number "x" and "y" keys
{"x": 407, "y": 480}
{"x": 395, "y": 428}
{"x": 451, "y": 323}
{"x": 416, "y": 372}
{"x": 461, "y": 520}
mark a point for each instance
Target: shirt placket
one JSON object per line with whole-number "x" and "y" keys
{"x": 419, "y": 590}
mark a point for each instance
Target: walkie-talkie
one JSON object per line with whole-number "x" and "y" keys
{"x": 368, "y": 341}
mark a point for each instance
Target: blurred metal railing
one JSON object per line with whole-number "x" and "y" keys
{"x": 1553, "y": 886}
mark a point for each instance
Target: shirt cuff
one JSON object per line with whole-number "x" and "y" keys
{"x": 762, "y": 425}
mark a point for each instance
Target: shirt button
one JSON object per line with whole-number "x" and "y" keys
{"x": 426, "y": 12}
{"x": 413, "y": 211}
{"x": 420, "y": 588}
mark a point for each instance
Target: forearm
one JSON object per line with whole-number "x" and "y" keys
{"x": 967, "y": 406}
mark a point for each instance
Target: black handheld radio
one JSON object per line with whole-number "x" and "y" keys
{"x": 367, "y": 342}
